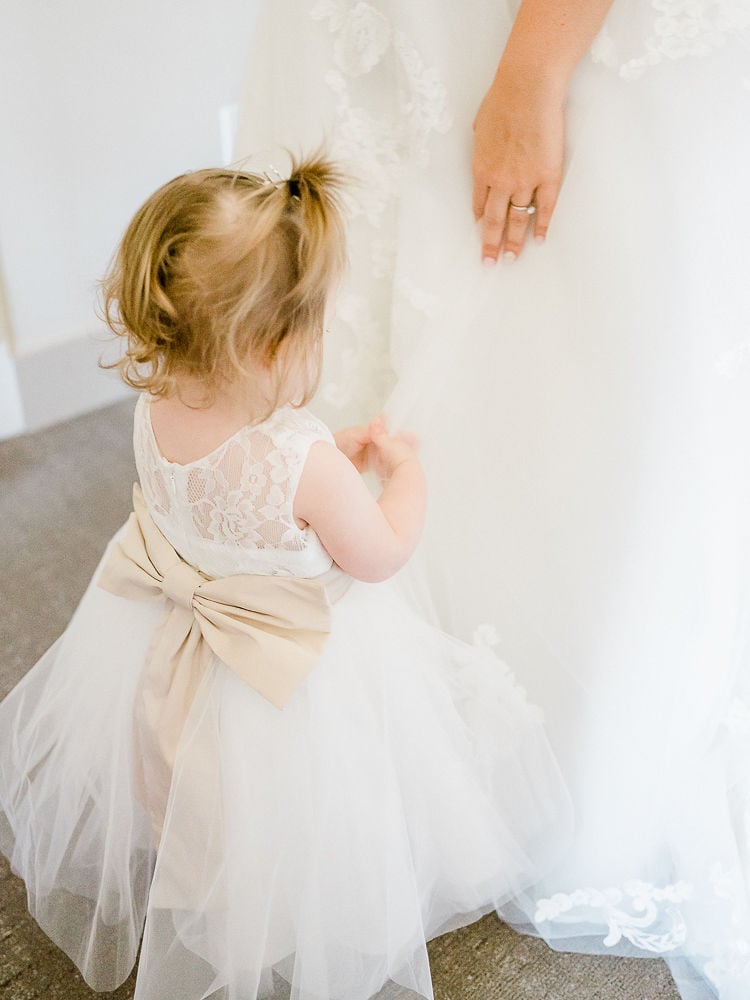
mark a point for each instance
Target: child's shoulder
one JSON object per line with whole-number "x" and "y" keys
{"x": 297, "y": 422}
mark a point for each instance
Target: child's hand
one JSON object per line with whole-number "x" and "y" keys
{"x": 369, "y": 539}
{"x": 354, "y": 443}
{"x": 388, "y": 451}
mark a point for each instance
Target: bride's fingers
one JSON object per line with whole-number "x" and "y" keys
{"x": 479, "y": 198}
{"x": 493, "y": 225}
{"x": 517, "y": 224}
{"x": 546, "y": 199}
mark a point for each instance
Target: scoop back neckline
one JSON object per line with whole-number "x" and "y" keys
{"x": 210, "y": 454}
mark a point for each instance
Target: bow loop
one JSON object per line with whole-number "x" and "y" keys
{"x": 269, "y": 630}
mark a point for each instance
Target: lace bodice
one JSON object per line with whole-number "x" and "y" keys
{"x": 232, "y": 510}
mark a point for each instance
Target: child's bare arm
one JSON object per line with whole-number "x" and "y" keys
{"x": 369, "y": 539}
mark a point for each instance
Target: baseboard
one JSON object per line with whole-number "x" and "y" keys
{"x": 64, "y": 380}
{"x": 11, "y": 409}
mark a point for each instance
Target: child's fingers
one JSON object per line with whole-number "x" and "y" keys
{"x": 361, "y": 441}
{"x": 352, "y": 439}
{"x": 382, "y": 439}
{"x": 378, "y": 425}
{"x": 359, "y": 433}
{"x": 411, "y": 439}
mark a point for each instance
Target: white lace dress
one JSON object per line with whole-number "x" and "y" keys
{"x": 584, "y": 415}
{"x": 308, "y": 851}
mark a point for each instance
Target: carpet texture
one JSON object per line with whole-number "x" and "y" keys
{"x": 63, "y": 493}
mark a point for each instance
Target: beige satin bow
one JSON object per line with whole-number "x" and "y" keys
{"x": 269, "y": 630}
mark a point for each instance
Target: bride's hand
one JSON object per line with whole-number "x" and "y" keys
{"x": 519, "y": 140}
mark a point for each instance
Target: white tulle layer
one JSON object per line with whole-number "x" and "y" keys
{"x": 407, "y": 788}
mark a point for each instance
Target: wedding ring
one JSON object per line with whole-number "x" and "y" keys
{"x": 528, "y": 209}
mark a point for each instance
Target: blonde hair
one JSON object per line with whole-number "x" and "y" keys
{"x": 221, "y": 271}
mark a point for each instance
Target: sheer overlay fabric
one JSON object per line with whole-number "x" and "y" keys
{"x": 584, "y": 416}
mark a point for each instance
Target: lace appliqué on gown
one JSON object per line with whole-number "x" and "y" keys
{"x": 646, "y": 915}
{"x": 377, "y": 140}
{"x": 654, "y": 918}
{"x": 388, "y": 103}
{"x": 663, "y": 30}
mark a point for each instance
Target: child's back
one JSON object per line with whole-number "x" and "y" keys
{"x": 231, "y": 509}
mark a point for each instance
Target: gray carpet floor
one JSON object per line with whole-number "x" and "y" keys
{"x": 63, "y": 492}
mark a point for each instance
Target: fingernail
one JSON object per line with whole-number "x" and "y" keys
{"x": 489, "y": 261}
{"x": 509, "y": 255}
{"x": 539, "y": 239}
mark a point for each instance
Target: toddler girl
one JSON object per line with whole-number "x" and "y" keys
{"x": 245, "y": 749}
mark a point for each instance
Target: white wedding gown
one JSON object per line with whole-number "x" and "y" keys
{"x": 585, "y": 415}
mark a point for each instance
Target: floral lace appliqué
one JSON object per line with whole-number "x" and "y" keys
{"x": 243, "y": 494}
{"x": 235, "y": 507}
{"x": 378, "y": 139}
{"x": 363, "y": 34}
{"x": 672, "y": 29}
{"x": 643, "y": 914}
{"x": 389, "y": 103}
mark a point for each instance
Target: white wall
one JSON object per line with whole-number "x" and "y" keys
{"x": 11, "y": 408}
{"x": 103, "y": 100}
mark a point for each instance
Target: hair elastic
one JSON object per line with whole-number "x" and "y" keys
{"x": 273, "y": 176}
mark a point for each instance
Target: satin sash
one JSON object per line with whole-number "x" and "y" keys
{"x": 269, "y": 630}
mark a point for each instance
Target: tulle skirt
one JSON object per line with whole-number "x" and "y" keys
{"x": 406, "y": 789}
{"x": 584, "y": 413}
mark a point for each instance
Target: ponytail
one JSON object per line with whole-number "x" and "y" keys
{"x": 221, "y": 271}
{"x": 315, "y": 190}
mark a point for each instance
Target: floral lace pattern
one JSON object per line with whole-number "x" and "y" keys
{"x": 652, "y": 919}
{"x": 388, "y": 103}
{"x": 662, "y": 919}
{"x": 643, "y": 914}
{"x": 232, "y": 511}
{"x": 485, "y": 637}
{"x": 377, "y": 140}
{"x": 672, "y": 29}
